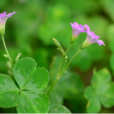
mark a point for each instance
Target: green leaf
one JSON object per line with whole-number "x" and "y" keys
{"x": 57, "y": 108}
{"x": 38, "y": 79}
{"x": 33, "y": 102}
{"x": 107, "y": 98}
{"x": 100, "y": 91}
{"x": 9, "y": 93}
{"x": 100, "y": 79}
{"x": 23, "y": 69}
{"x": 29, "y": 76}
{"x": 32, "y": 80}
{"x": 93, "y": 101}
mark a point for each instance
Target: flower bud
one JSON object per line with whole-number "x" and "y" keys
{"x": 5, "y": 55}
{"x": 59, "y": 47}
{"x": 18, "y": 56}
{"x": 66, "y": 58}
{"x": 56, "y": 42}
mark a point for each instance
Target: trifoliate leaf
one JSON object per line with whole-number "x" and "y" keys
{"x": 9, "y": 93}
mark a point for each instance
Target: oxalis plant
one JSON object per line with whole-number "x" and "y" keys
{"x": 27, "y": 89}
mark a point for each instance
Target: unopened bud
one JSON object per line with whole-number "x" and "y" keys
{"x": 18, "y": 56}
{"x": 5, "y": 55}
{"x": 56, "y": 42}
{"x": 59, "y": 47}
{"x": 66, "y": 58}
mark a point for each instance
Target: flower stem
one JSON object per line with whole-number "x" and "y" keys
{"x": 68, "y": 48}
{"x": 49, "y": 91}
{"x": 58, "y": 74}
{"x": 57, "y": 77}
{"x": 63, "y": 59}
{"x": 6, "y": 48}
{"x": 60, "y": 65}
{"x": 69, "y": 62}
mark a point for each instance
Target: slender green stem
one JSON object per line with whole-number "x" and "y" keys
{"x": 68, "y": 49}
{"x": 69, "y": 63}
{"x": 49, "y": 91}
{"x": 57, "y": 77}
{"x": 64, "y": 65}
{"x": 63, "y": 59}
{"x": 60, "y": 65}
{"x": 66, "y": 53}
{"x": 58, "y": 74}
{"x": 6, "y": 48}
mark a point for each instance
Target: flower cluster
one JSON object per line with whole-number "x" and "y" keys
{"x": 91, "y": 36}
{"x": 3, "y": 19}
{"x": 76, "y": 28}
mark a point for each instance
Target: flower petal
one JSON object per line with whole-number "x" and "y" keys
{"x": 93, "y": 35}
{"x": 10, "y": 14}
{"x": 5, "y": 17}
{"x": 100, "y": 42}
{"x": 81, "y": 27}
{"x": 87, "y": 29}
{"x": 2, "y": 14}
{"x": 76, "y": 30}
{"x": 74, "y": 25}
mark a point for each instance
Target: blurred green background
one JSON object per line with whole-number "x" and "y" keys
{"x": 30, "y": 32}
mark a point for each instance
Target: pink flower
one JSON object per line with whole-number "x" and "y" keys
{"x": 91, "y": 38}
{"x": 77, "y": 29}
{"x": 3, "y": 19}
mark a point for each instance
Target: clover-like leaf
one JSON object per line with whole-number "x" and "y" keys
{"x": 107, "y": 98}
{"x": 57, "y": 108}
{"x": 100, "y": 91}
{"x": 100, "y": 79}
{"x": 9, "y": 93}
{"x": 29, "y": 76}
{"x": 93, "y": 100}
{"x": 31, "y": 80}
{"x": 23, "y": 70}
{"x": 33, "y": 102}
